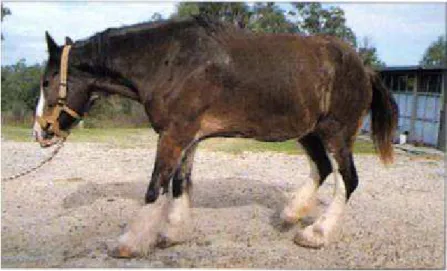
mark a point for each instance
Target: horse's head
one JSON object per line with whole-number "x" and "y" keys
{"x": 65, "y": 93}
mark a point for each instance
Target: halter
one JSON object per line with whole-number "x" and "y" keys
{"x": 61, "y": 105}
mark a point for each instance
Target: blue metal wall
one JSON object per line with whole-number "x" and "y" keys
{"x": 428, "y": 114}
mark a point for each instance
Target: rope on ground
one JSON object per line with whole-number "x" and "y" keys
{"x": 56, "y": 150}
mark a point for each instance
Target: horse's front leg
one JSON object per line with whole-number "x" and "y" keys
{"x": 179, "y": 226}
{"x": 143, "y": 232}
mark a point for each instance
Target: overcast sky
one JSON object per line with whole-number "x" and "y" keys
{"x": 400, "y": 32}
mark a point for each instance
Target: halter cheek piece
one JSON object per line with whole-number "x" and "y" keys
{"x": 52, "y": 121}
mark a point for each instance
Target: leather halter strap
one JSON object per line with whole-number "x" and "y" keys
{"x": 61, "y": 105}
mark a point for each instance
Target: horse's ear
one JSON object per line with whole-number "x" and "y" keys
{"x": 68, "y": 41}
{"x": 52, "y": 46}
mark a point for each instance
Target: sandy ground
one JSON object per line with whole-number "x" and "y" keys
{"x": 68, "y": 212}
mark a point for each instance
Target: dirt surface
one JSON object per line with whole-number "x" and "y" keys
{"x": 68, "y": 212}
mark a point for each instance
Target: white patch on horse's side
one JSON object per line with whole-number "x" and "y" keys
{"x": 37, "y": 130}
{"x": 179, "y": 219}
{"x": 141, "y": 234}
{"x": 320, "y": 231}
{"x": 304, "y": 199}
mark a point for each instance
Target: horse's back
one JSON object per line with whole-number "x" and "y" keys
{"x": 289, "y": 75}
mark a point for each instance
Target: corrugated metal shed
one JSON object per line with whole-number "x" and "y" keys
{"x": 420, "y": 94}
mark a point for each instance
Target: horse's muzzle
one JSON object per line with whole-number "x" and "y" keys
{"x": 44, "y": 137}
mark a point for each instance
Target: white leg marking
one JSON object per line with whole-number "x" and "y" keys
{"x": 179, "y": 209}
{"x": 179, "y": 221}
{"x": 141, "y": 234}
{"x": 318, "y": 234}
{"x": 304, "y": 199}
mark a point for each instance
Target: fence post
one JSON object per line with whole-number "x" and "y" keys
{"x": 417, "y": 80}
{"x": 443, "y": 119}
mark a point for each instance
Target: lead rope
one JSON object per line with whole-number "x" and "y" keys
{"x": 59, "y": 146}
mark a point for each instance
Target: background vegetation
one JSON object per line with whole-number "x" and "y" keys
{"x": 20, "y": 82}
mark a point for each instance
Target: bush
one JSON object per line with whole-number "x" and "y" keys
{"x": 115, "y": 111}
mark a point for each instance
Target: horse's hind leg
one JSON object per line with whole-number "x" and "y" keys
{"x": 319, "y": 233}
{"x": 304, "y": 199}
{"x": 179, "y": 221}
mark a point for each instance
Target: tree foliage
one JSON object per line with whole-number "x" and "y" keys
{"x": 305, "y": 18}
{"x": 20, "y": 89}
{"x": 156, "y": 17}
{"x": 267, "y": 17}
{"x": 312, "y": 18}
{"x": 369, "y": 54}
{"x": 237, "y": 13}
{"x": 5, "y": 11}
{"x": 435, "y": 54}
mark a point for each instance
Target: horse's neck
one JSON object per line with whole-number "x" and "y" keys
{"x": 133, "y": 63}
{"x": 112, "y": 63}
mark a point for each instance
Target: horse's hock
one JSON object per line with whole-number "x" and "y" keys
{"x": 67, "y": 215}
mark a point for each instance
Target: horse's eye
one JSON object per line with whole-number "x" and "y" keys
{"x": 45, "y": 83}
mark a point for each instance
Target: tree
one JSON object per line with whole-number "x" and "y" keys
{"x": 234, "y": 12}
{"x": 156, "y": 17}
{"x": 269, "y": 18}
{"x": 305, "y": 18}
{"x": 186, "y": 9}
{"x": 5, "y": 11}
{"x": 368, "y": 53}
{"x": 20, "y": 89}
{"x": 262, "y": 17}
{"x": 312, "y": 18}
{"x": 435, "y": 54}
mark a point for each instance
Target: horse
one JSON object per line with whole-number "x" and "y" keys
{"x": 199, "y": 78}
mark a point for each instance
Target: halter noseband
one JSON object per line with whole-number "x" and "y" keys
{"x": 61, "y": 105}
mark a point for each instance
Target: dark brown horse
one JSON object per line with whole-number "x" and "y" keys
{"x": 199, "y": 79}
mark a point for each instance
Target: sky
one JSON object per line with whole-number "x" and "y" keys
{"x": 400, "y": 31}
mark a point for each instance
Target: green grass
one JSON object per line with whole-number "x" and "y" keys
{"x": 145, "y": 137}
{"x": 17, "y": 133}
{"x": 236, "y": 146}
{"x": 239, "y": 145}
{"x": 121, "y": 137}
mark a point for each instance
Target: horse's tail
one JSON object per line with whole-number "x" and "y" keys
{"x": 384, "y": 112}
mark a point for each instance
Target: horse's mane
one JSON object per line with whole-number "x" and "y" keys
{"x": 210, "y": 25}
{"x": 93, "y": 51}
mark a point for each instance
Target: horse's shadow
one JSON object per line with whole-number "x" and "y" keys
{"x": 216, "y": 193}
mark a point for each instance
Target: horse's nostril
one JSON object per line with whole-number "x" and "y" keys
{"x": 47, "y": 134}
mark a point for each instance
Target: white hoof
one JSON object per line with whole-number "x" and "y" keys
{"x": 297, "y": 210}
{"x": 142, "y": 233}
{"x": 312, "y": 236}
